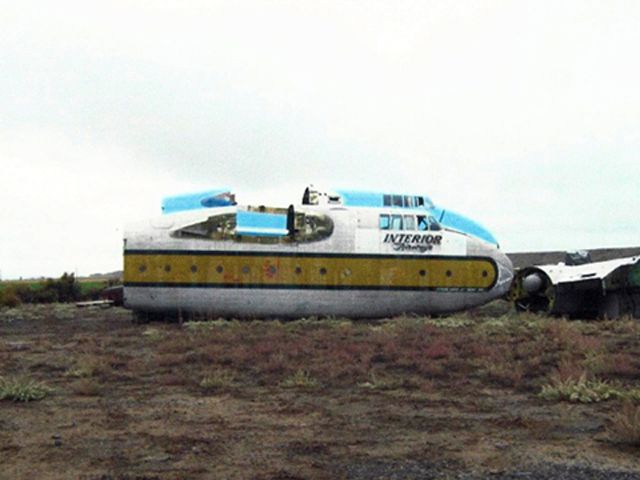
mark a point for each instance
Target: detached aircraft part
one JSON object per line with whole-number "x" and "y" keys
{"x": 608, "y": 289}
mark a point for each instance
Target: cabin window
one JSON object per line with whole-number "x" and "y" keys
{"x": 408, "y": 202}
{"x": 419, "y": 202}
{"x": 422, "y": 223}
{"x": 386, "y": 200}
{"x": 397, "y": 200}
{"x": 396, "y": 222}
{"x": 384, "y": 222}
{"x": 409, "y": 222}
{"x": 433, "y": 224}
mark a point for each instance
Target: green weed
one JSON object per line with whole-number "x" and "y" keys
{"x": 22, "y": 389}
{"x": 581, "y": 390}
{"x": 217, "y": 380}
{"x": 300, "y": 379}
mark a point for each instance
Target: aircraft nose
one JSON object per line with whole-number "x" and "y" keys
{"x": 505, "y": 274}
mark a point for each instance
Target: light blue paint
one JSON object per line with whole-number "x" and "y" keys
{"x": 261, "y": 224}
{"x": 194, "y": 201}
{"x": 455, "y": 221}
{"x": 447, "y": 218}
{"x": 358, "y": 198}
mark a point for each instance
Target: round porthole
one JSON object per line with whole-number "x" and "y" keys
{"x": 194, "y": 269}
{"x": 246, "y": 269}
{"x": 485, "y": 273}
{"x": 271, "y": 270}
{"x": 423, "y": 273}
{"x": 449, "y": 273}
{"x": 167, "y": 268}
{"x": 323, "y": 271}
{"x": 346, "y": 272}
{"x": 142, "y": 268}
{"x": 298, "y": 270}
{"x": 219, "y": 269}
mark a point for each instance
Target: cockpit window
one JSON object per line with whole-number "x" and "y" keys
{"x": 422, "y": 223}
{"x": 409, "y": 222}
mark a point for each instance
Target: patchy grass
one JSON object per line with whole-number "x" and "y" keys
{"x": 235, "y": 399}
{"x": 585, "y": 390}
{"x": 217, "y": 380}
{"x": 300, "y": 379}
{"x": 22, "y": 389}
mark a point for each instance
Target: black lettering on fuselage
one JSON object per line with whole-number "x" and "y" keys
{"x": 403, "y": 238}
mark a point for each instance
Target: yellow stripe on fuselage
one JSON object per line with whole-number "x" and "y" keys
{"x": 271, "y": 271}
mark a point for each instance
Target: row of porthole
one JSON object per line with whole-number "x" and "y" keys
{"x": 245, "y": 269}
{"x": 298, "y": 270}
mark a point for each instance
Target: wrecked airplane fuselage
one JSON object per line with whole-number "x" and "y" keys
{"x": 608, "y": 289}
{"x": 308, "y": 260}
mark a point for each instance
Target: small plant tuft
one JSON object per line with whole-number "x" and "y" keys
{"x": 22, "y": 389}
{"x": 581, "y": 390}
{"x": 378, "y": 382}
{"x": 300, "y": 379}
{"x": 217, "y": 380}
{"x": 625, "y": 425}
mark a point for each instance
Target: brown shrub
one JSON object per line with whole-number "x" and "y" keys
{"x": 9, "y": 297}
{"x": 505, "y": 375}
{"x": 625, "y": 425}
{"x": 172, "y": 379}
{"x": 569, "y": 369}
{"x": 89, "y": 366}
{"x": 621, "y": 365}
{"x": 87, "y": 387}
{"x": 438, "y": 349}
{"x": 171, "y": 359}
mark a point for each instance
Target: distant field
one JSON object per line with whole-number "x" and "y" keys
{"x": 86, "y": 286}
{"x": 487, "y": 394}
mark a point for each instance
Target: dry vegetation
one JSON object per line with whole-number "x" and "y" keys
{"x": 484, "y": 392}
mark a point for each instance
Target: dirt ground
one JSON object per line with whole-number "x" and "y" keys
{"x": 402, "y": 398}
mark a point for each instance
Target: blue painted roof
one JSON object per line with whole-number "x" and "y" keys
{"x": 194, "y": 201}
{"x": 360, "y": 198}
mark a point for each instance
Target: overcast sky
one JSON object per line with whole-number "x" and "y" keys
{"x": 524, "y": 115}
